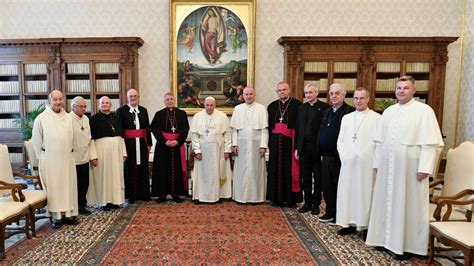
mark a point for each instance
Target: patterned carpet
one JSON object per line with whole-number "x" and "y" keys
{"x": 170, "y": 233}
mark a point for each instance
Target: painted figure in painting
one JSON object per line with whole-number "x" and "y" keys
{"x": 212, "y": 36}
{"x": 188, "y": 41}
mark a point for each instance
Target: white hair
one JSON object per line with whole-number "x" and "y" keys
{"x": 76, "y": 101}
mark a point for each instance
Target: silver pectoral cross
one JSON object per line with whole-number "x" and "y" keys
{"x": 354, "y": 138}
{"x": 82, "y": 128}
{"x": 281, "y": 119}
{"x": 113, "y": 129}
{"x": 173, "y": 129}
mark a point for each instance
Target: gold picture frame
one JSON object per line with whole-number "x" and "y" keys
{"x": 212, "y": 47}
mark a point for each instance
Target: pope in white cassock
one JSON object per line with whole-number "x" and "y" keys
{"x": 249, "y": 143}
{"x": 407, "y": 140}
{"x": 53, "y": 145}
{"x": 211, "y": 142}
{"x": 356, "y": 148}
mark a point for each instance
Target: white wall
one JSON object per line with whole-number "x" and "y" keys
{"x": 149, "y": 20}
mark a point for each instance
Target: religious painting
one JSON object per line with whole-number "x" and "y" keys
{"x": 212, "y": 52}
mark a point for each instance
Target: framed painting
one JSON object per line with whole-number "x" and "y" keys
{"x": 212, "y": 52}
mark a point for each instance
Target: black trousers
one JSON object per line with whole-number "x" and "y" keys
{"x": 310, "y": 169}
{"x": 330, "y": 168}
{"x": 82, "y": 171}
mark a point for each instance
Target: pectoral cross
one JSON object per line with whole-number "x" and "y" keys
{"x": 281, "y": 119}
{"x": 173, "y": 129}
{"x": 207, "y": 131}
{"x": 82, "y": 128}
{"x": 354, "y": 138}
{"x": 113, "y": 129}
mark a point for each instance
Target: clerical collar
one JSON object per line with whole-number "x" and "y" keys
{"x": 334, "y": 108}
{"x": 313, "y": 103}
{"x": 251, "y": 104}
{"x": 284, "y": 101}
{"x": 133, "y": 109}
{"x": 170, "y": 109}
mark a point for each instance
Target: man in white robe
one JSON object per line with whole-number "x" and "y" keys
{"x": 53, "y": 145}
{"x": 249, "y": 143}
{"x": 107, "y": 187}
{"x": 84, "y": 150}
{"x": 211, "y": 143}
{"x": 407, "y": 141}
{"x": 356, "y": 148}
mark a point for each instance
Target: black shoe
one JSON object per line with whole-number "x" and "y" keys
{"x": 197, "y": 202}
{"x": 131, "y": 201}
{"x": 381, "y": 249}
{"x": 71, "y": 221}
{"x": 326, "y": 218}
{"x": 315, "y": 210}
{"x": 105, "y": 208}
{"x": 113, "y": 206}
{"x": 161, "y": 200}
{"x": 84, "y": 211}
{"x": 404, "y": 256}
{"x": 347, "y": 231}
{"x": 177, "y": 199}
{"x": 364, "y": 235}
{"x": 291, "y": 205}
{"x": 305, "y": 208}
{"x": 56, "y": 224}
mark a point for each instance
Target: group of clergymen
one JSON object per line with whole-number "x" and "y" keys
{"x": 371, "y": 170}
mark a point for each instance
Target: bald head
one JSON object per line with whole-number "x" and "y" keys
{"x": 249, "y": 95}
{"x": 56, "y": 100}
{"x": 132, "y": 97}
{"x": 105, "y": 104}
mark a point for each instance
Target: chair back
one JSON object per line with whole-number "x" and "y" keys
{"x": 30, "y": 152}
{"x": 459, "y": 174}
{"x": 6, "y": 173}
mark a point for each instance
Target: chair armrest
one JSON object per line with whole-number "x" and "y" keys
{"x": 449, "y": 202}
{"x": 35, "y": 178}
{"x": 15, "y": 188}
{"x": 459, "y": 195}
{"x": 435, "y": 183}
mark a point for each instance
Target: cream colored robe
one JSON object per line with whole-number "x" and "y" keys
{"x": 407, "y": 141}
{"x": 250, "y": 133}
{"x": 106, "y": 181}
{"x": 53, "y": 144}
{"x": 356, "y": 149}
{"x": 211, "y": 137}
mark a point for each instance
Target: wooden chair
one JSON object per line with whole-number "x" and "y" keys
{"x": 32, "y": 160}
{"x": 457, "y": 235}
{"x": 13, "y": 209}
{"x": 35, "y": 198}
{"x": 458, "y": 176}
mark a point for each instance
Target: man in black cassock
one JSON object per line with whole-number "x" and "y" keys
{"x": 284, "y": 185}
{"x": 308, "y": 123}
{"x": 170, "y": 127}
{"x": 134, "y": 121}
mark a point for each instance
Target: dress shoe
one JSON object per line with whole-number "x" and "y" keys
{"x": 315, "y": 210}
{"x": 400, "y": 257}
{"x": 177, "y": 199}
{"x": 84, "y": 211}
{"x": 105, "y": 208}
{"x": 326, "y": 218}
{"x": 197, "y": 202}
{"x": 161, "y": 200}
{"x": 291, "y": 205}
{"x": 347, "y": 231}
{"x": 381, "y": 249}
{"x": 56, "y": 224}
{"x": 113, "y": 206}
{"x": 131, "y": 201}
{"x": 305, "y": 208}
{"x": 71, "y": 221}
{"x": 364, "y": 235}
